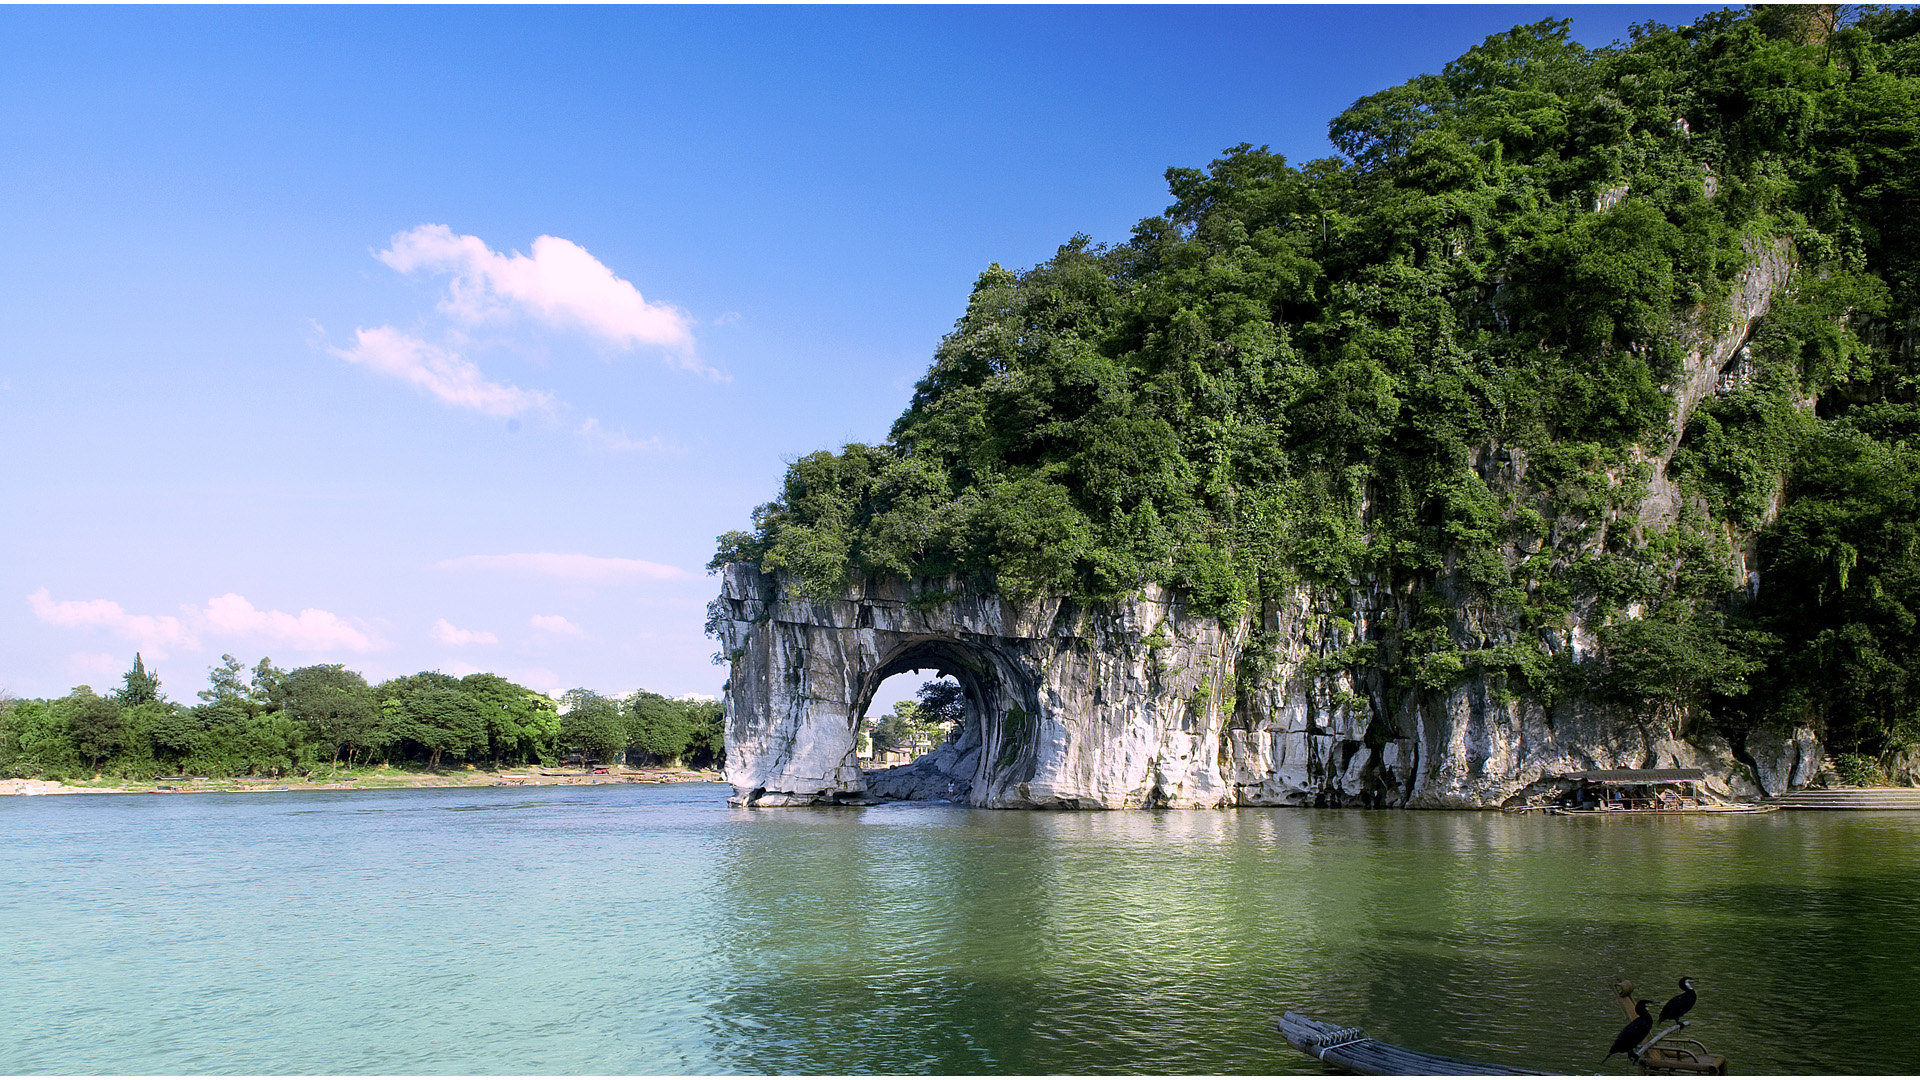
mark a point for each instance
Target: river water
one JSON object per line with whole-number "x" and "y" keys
{"x": 651, "y": 929}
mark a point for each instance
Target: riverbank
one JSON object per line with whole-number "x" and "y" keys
{"x": 378, "y": 777}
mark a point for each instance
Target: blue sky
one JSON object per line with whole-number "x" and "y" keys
{"x": 287, "y": 369}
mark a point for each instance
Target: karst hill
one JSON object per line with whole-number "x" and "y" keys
{"x": 1569, "y": 417}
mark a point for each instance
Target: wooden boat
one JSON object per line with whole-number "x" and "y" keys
{"x": 1602, "y": 792}
{"x": 1352, "y": 1050}
{"x": 1708, "y": 808}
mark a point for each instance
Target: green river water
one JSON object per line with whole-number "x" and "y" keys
{"x": 651, "y": 929}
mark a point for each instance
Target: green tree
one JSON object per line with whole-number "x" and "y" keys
{"x": 942, "y": 702}
{"x": 1840, "y": 587}
{"x": 140, "y": 685}
{"x": 172, "y": 732}
{"x": 271, "y": 744}
{"x": 95, "y": 723}
{"x": 224, "y": 685}
{"x": 1674, "y": 666}
{"x": 336, "y": 703}
{"x": 707, "y": 746}
{"x": 522, "y": 724}
{"x": 594, "y": 724}
{"x": 267, "y": 688}
{"x": 910, "y": 728}
{"x": 660, "y": 728}
{"x": 38, "y": 741}
{"x": 435, "y": 712}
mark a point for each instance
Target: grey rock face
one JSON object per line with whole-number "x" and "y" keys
{"x": 1784, "y": 760}
{"x": 1904, "y": 769}
{"x": 1715, "y": 362}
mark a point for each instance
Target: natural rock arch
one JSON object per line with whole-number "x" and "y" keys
{"x": 804, "y": 674}
{"x": 1075, "y": 709}
{"x": 993, "y": 747}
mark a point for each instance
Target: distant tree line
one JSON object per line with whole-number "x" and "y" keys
{"x": 269, "y": 722}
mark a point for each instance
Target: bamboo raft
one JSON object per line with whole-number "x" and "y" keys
{"x": 1665, "y": 1053}
{"x": 1352, "y": 1050}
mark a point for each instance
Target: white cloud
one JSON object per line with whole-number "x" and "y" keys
{"x": 153, "y": 634}
{"x": 312, "y": 630}
{"x": 581, "y": 569}
{"x": 618, "y": 440}
{"x": 448, "y": 634}
{"x": 443, "y": 372}
{"x": 560, "y": 283}
{"x": 554, "y": 624}
{"x": 229, "y": 617}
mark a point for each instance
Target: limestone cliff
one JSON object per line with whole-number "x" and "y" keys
{"x": 1136, "y": 706}
{"x": 1143, "y": 704}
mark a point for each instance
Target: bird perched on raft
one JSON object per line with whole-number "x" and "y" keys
{"x": 1636, "y": 1030}
{"x": 1678, "y": 1005}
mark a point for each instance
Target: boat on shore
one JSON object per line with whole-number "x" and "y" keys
{"x": 1607, "y": 792}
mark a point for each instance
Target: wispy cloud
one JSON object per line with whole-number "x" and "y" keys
{"x": 228, "y": 617}
{"x": 446, "y": 633}
{"x": 441, "y": 371}
{"x": 151, "y": 633}
{"x": 577, "y": 569}
{"x": 313, "y": 630}
{"x": 619, "y": 441}
{"x": 559, "y": 283}
{"x": 555, "y": 624}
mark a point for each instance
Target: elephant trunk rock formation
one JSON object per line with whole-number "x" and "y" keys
{"x": 1142, "y": 703}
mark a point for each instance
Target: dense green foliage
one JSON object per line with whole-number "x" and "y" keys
{"x": 1441, "y": 364}
{"x": 292, "y": 723}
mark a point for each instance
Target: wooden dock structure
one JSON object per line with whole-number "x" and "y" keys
{"x": 1888, "y": 798}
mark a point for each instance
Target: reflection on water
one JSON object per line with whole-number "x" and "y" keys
{"x": 915, "y": 939}
{"x": 653, "y": 930}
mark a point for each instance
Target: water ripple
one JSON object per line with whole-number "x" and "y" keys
{"x": 653, "y": 930}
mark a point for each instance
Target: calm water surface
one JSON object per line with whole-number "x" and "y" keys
{"x": 638, "y": 929}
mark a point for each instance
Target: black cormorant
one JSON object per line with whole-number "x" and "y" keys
{"x": 1636, "y": 1030}
{"x": 1677, "y": 1005}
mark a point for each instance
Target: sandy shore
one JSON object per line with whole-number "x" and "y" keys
{"x": 370, "y": 779}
